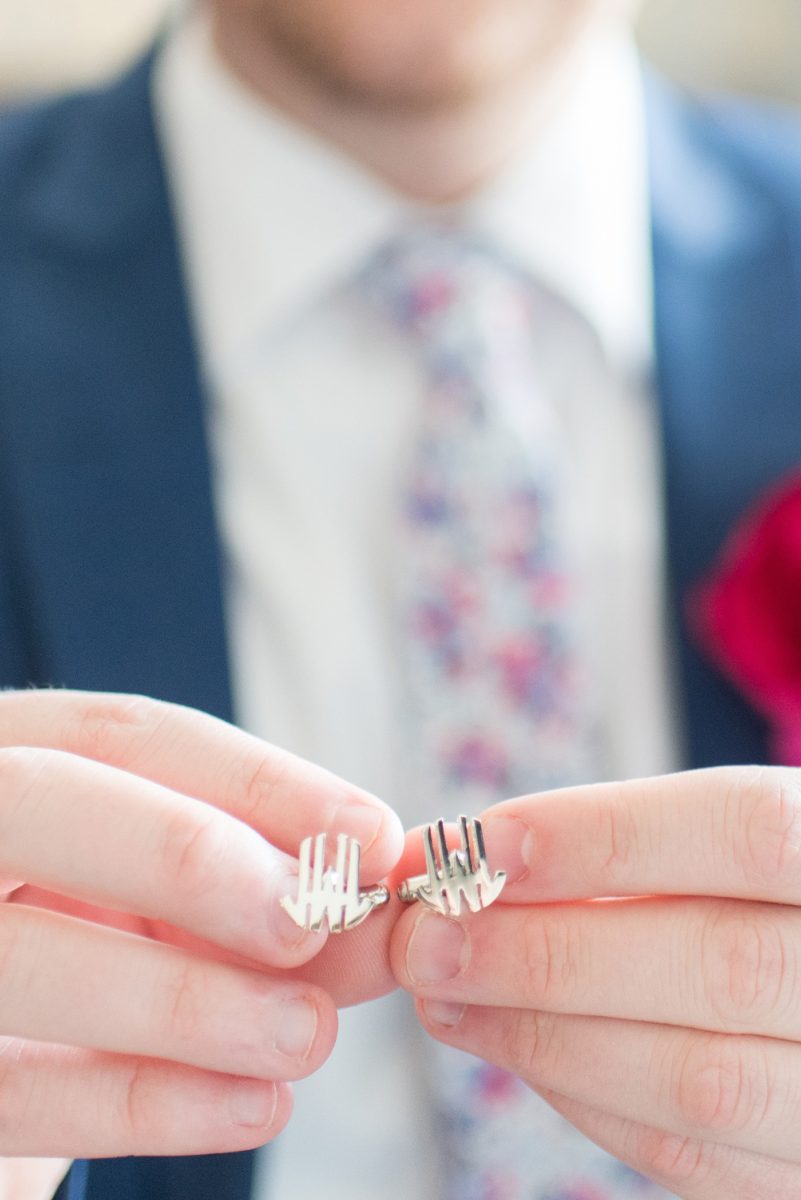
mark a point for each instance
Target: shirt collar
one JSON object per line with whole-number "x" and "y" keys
{"x": 574, "y": 208}
{"x": 272, "y": 217}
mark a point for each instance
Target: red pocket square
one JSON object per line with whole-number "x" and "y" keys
{"x": 747, "y": 613}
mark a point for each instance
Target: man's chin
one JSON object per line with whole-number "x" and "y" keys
{"x": 416, "y": 89}
{"x": 384, "y": 62}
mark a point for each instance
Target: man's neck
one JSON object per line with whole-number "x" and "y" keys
{"x": 432, "y": 156}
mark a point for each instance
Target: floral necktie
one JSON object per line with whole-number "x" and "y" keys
{"x": 499, "y": 702}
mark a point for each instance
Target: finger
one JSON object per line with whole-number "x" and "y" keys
{"x": 56, "y": 1100}
{"x": 110, "y": 838}
{"x": 356, "y": 967}
{"x": 688, "y": 1167}
{"x": 36, "y": 897}
{"x": 68, "y": 981}
{"x": 735, "y": 1091}
{"x": 719, "y": 965}
{"x": 351, "y": 969}
{"x": 285, "y": 798}
{"x": 729, "y": 831}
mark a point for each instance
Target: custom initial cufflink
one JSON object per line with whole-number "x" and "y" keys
{"x": 455, "y": 874}
{"x": 452, "y": 876}
{"x": 331, "y": 892}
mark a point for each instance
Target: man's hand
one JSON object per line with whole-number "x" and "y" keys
{"x": 155, "y": 998}
{"x": 641, "y": 971}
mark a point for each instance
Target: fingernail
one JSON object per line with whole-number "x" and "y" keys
{"x": 438, "y": 950}
{"x": 252, "y": 1103}
{"x": 442, "y": 1012}
{"x": 361, "y": 821}
{"x": 510, "y": 846}
{"x": 297, "y": 1026}
{"x": 284, "y": 928}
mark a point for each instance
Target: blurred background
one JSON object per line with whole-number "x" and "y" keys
{"x": 751, "y": 46}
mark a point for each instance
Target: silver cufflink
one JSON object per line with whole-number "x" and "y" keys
{"x": 454, "y": 875}
{"x": 331, "y": 893}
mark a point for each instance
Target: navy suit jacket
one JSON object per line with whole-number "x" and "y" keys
{"x": 109, "y": 556}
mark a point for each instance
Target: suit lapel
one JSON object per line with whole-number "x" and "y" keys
{"x": 112, "y": 458}
{"x": 727, "y": 315}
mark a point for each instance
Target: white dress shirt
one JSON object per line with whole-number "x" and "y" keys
{"x": 313, "y": 403}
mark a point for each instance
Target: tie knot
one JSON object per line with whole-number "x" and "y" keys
{"x": 430, "y": 275}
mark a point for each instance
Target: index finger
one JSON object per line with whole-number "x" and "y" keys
{"x": 283, "y": 797}
{"x": 726, "y": 831}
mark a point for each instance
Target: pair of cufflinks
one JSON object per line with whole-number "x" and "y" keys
{"x": 452, "y": 877}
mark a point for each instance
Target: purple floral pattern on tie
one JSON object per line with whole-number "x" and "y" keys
{"x": 488, "y": 590}
{"x": 500, "y": 702}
